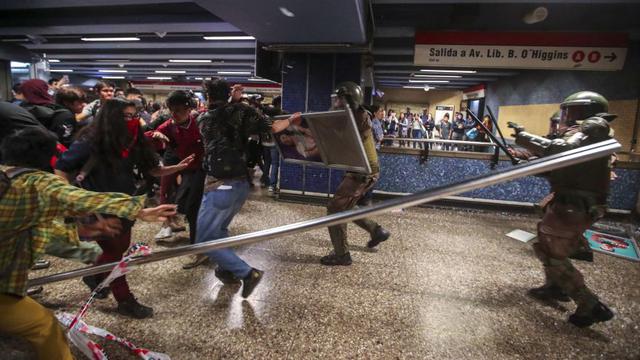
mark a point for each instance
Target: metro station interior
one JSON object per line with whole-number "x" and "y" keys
{"x": 486, "y": 150}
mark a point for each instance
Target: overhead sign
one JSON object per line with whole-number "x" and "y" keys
{"x": 475, "y": 92}
{"x": 522, "y": 50}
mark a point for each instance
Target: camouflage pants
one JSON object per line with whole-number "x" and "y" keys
{"x": 352, "y": 188}
{"x": 560, "y": 235}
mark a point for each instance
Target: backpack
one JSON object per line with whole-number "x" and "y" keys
{"x": 228, "y": 161}
{"x": 9, "y": 174}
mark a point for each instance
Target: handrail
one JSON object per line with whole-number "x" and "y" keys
{"x": 538, "y": 166}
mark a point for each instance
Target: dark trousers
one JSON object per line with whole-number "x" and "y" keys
{"x": 266, "y": 167}
{"x": 189, "y": 197}
{"x": 112, "y": 250}
{"x": 352, "y": 188}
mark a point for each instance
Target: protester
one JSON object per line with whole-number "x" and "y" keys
{"x": 225, "y": 130}
{"x": 105, "y": 155}
{"x": 28, "y": 204}
{"x": 54, "y": 117}
{"x": 105, "y": 92}
{"x": 181, "y": 134}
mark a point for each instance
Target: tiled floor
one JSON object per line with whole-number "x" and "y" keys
{"x": 447, "y": 285}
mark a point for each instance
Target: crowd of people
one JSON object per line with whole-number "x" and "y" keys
{"x": 75, "y": 172}
{"x": 115, "y": 154}
{"x": 399, "y": 129}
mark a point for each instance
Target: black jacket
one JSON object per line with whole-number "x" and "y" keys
{"x": 225, "y": 132}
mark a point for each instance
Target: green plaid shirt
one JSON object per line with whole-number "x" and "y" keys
{"x": 27, "y": 213}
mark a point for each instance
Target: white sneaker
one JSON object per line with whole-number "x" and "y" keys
{"x": 270, "y": 189}
{"x": 164, "y": 233}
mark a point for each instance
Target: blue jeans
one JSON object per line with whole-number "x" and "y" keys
{"x": 275, "y": 166}
{"x": 217, "y": 210}
{"x": 416, "y": 134}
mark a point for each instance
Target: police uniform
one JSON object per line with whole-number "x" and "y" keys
{"x": 354, "y": 185}
{"x": 579, "y": 199}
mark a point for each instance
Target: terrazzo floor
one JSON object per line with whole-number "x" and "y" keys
{"x": 448, "y": 285}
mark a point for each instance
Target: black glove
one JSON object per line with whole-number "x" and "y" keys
{"x": 517, "y": 128}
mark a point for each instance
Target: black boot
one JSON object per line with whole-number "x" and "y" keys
{"x": 333, "y": 259}
{"x": 599, "y": 313}
{"x": 92, "y": 282}
{"x": 226, "y": 277}
{"x": 582, "y": 255}
{"x": 132, "y": 308}
{"x": 250, "y": 282}
{"x": 548, "y": 293}
{"x": 378, "y": 236}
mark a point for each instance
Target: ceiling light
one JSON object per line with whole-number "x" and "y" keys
{"x": 112, "y": 60}
{"x": 228, "y": 38}
{"x": 438, "y": 76}
{"x": 110, "y": 39}
{"x": 113, "y": 77}
{"x": 450, "y": 71}
{"x": 257, "y": 79}
{"x": 539, "y": 14}
{"x": 54, "y": 60}
{"x": 189, "y": 61}
{"x": 234, "y": 72}
{"x": 159, "y": 77}
{"x": 112, "y": 71}
{"x": 198, "y": 78}
{"x": 61, "y": 70}
{"x": 170, "y": 71}
{"x": 286, "y": 12}
{"x": 429, "y": 81}
{"x": 18, "y": 64}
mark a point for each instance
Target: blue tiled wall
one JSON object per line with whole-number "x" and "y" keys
{"x": 323, "y": 72}
{"x": 403, "y": 173}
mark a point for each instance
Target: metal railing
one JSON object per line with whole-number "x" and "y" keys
{"x": 542, "y": 165}
{"x": 440, "y": 141}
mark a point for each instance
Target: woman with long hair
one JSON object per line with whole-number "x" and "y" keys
{"x": 108, "y": 156}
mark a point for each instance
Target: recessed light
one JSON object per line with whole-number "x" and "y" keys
{"x": 113, "y": 77}
{"x": 61, "y": 70}
{"x": 198, "y": 78}
{"x": 110, "y": 39}
{"x": 429, "y": 81}
{"x": 189, "y": 61}
{"x": 18, "y": 64}
{"x": 286, "y": 12}
{"x": 234, "y": 72}
{"x": 228, "y": 38}
{"x": 438, "y": 76}
{"x": 170, "y": 71}
{"x": 54, "y": 60}
{"x": 450, "y": 71}
{"x": 159, "y": 77}
{"x": 111, "y": 71}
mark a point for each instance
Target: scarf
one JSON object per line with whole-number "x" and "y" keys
{"x": 133, "y": 127}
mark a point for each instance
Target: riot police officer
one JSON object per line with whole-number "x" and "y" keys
{"x": 579, "y": 199}
{"x": 354, "y": 185}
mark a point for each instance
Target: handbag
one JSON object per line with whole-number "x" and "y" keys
{"x": 472, "y": 134}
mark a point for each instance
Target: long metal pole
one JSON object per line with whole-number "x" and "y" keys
{"x": 568, "y": 158}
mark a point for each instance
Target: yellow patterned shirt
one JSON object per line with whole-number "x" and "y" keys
{"x": 27, "y": 213}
